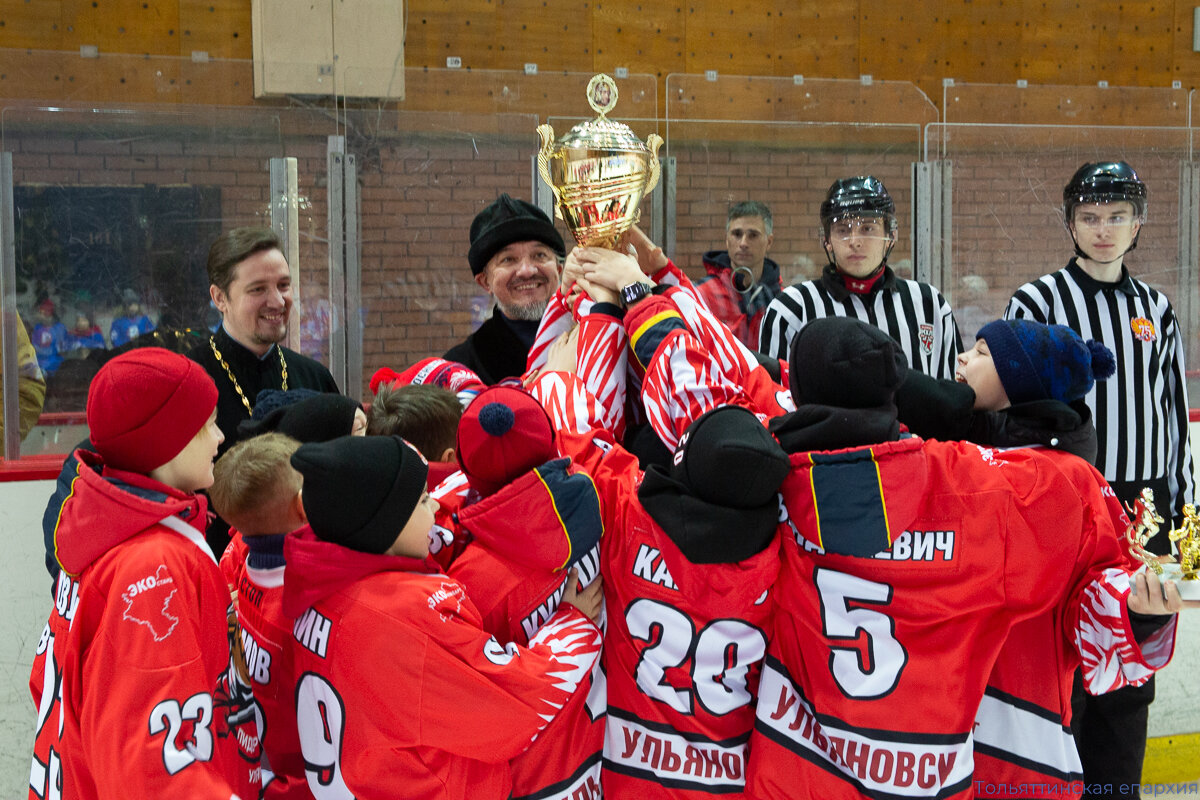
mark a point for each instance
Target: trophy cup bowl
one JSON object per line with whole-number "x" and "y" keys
{"x": 599, "y": 171}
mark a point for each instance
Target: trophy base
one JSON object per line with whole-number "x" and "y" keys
{"x": 1188, "y": 589}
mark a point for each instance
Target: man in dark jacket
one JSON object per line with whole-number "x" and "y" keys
{"x": 741, "y": 281}
{"x": 516, "y": 257}
{"x": 250, "y": 283}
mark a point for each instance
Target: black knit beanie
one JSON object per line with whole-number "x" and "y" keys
{"x": 506, "y": 221}
{"x": 845, "y": 363}
{"x": 268, "y": 400}
{"x": 728, "y": 458}
{"x": 360, "y": 491}
{"x": 319, "y": 418}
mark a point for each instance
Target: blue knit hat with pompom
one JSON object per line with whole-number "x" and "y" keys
{"x": 1045, "y": 362}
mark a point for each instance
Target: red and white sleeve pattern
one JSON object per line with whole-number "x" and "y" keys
{"x": 602, "y": 364}
{"x": 1112, "y": 658}
{"x": 730, "y": 352}
{"x": 556, "y": 320}
{"x": 682, "y": 379}
{"x": 571, "y": 407}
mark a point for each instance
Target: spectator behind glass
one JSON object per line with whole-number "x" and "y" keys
{"x": 132, "y": 324}
{"x": 741, "y": 280}
{"x": 49, "y": 336}
{"x": 85, "y": 336}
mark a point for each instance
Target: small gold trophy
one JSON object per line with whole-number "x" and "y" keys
{"x": 1144, "y": 522}
{"x": 1187, "y": 537}
{"x": 599, "y": 171}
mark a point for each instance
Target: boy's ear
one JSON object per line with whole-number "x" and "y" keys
{"x": 447, "y": 454}
{"x": 297, "y": 507}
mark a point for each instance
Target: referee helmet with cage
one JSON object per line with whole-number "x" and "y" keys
{"x": 1104, "y": 182}
{"x": 855, "y": 198}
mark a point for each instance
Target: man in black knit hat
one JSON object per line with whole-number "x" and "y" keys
{"x": 516, "y": 256}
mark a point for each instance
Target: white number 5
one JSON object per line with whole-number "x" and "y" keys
{"x": 868, "y": 669}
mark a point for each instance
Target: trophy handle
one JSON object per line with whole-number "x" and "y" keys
{"x": 546, "y": 132}
{"x": 653, "y": 142}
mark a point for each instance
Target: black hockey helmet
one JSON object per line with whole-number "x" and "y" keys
{"x": 1104, "y": 182}
{"x": 863, "y": 196}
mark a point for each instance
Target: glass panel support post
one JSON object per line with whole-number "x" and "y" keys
{"x": 285, "y": 210}
{"x": 8, "y": 313}
{"x": 345, "y": 270}
{"x": 931, "y": 222}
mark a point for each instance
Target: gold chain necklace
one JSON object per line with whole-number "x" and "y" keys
{"x": 212, "y": 342}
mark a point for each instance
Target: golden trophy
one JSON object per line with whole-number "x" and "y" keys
{"x": 1144, "y": 522}
{"x": 599, "y": 171}
{"x": 1187, "y": 536}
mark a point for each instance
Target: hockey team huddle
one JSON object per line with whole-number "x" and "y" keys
{"x": 658, "y": 564}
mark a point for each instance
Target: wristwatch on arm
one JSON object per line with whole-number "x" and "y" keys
{"x": 634, "y": 292}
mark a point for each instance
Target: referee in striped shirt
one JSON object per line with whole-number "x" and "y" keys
{"x": 1141, "y": 414}
{"x": 858, "y": 223}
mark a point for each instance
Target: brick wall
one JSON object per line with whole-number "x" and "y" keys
{"x": 793, "y": 183}
{"x": 419, "y": 194}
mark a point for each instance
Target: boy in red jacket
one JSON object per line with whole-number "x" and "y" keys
{"x": 528, "y": 515}
{"x": 401, "y": 691}
{"x": 258, "y": 492}
{"x": 131, "y": 674}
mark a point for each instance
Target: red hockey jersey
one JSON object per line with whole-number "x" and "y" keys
{"x": 132, "y": 674}
{"x": 513, "y": 570}
{"x": 265, "y": 636}
{"x": 907, "y": 564}
{"x": 400, "y": 692}
{"x": 1023, "y": 735}
{"x": 683, "y": 381}
{"x": 685, "y": 642}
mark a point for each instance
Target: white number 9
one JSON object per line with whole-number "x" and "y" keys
{"x": 321, "y": 721}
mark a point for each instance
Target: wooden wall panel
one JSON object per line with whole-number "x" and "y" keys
{"x": 554, "y": 35}
{"x": 36, "y": 25}
{"x": 898, "y": 43}
{"x": 500, "y": 34}
{"x": 818, "y": 39}
{"x": 441, "y": 28}
{"x": 1069, "y": 42}
{"x": 1052, "y": 46}
{"x": 220, "y": 28}
{"x": 122, "y": 26}
{"x": 644, "y": 37}
{"x": 732, "y": 38}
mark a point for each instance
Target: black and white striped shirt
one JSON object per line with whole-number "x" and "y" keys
{"x": 914, "y": 314}
{"x": 1141, "y": 412}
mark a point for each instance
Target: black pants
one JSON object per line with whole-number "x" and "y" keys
{"x": 1110, "y": 732}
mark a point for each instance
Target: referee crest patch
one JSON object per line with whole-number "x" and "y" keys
{"x": 1143, "y": 329}
{"x": 925, "y": 334}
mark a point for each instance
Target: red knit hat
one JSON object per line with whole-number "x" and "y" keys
{"x": 144, "y": 406}
{"x": 503, "y": 434}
